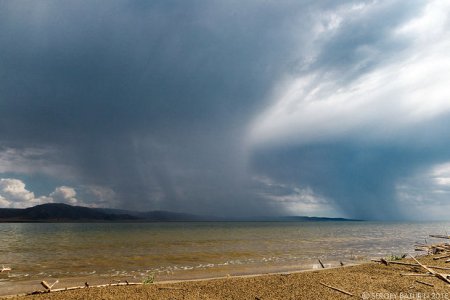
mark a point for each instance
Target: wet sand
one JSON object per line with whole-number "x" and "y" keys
{"x": 366, "y": 281}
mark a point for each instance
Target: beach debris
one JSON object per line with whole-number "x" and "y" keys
{"x": 54, "y": 283}
{"x": 45, "y": 285}
{"x": 149, "y": 279}
{"x": 425, "y": 283}
{"x": 170, "y": 288}
{"x": 438, "y": 275}
{"x": 49, "y": 290}
{"x": 393, "y": 257}
{"x": 337, "y": 289}
{"x": 5, "y": 269}
{"x": 48, "y": 286}
{"x": 321, "y": 264}
{"x": 439, "y": 236}
{"x": 416, "y": 274}
{"x": 434, "y": 248}
{"x": 442, "y": 248}
{"x": 441, "y": 257}
{"x": 408, "y": 264}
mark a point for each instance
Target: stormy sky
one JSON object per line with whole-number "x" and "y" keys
{"x": 326, "y": 108}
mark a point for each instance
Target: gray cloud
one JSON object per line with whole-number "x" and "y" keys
{"x": 148, "y": 104}
{"x": 355, "y": 133}
{"x": 148, "y": 99}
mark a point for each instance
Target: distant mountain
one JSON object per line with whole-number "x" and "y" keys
{"x": 158, "y": 215}
{"x": 299, "y": 219}
{"x": 58, "y": 212}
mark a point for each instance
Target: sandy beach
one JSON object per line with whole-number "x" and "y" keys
{"x": 365, "y": 281}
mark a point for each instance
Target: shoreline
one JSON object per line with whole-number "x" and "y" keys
{"x": 365, "y": 280}
{"x": 24, "y": 287}
{"x": 181, "y": 281}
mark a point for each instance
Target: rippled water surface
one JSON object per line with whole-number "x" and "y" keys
{"x": 183, "y": 250}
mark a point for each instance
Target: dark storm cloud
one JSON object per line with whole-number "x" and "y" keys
{"x": 147, "y": 98}
{"x": 90, "y": 66}
{"x": 149, "y": 102}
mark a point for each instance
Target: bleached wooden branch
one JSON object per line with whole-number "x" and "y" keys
{"x": 440, "y": 257}
{"x": 425, "y": 283}
{"x": 409, "y": 264}
{"x": 337, "y": 289}
{"x": 48, "y": 286}
{"x": 5, "y": 269}
{"x": 169, "y": 288}
{"x": 417, "y": 274}
{"x": 81, "y": 287}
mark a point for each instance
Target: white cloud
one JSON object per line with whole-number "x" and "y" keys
{"x": 304, "y": 201}
{"x": 64, "y": 194}
{"x": 296, "y": 200}
{"x": 14, "y": 194}
{"x": 409, "y": 88}
{"x": 441, "y": 174}
{"x": 4, "y": 202}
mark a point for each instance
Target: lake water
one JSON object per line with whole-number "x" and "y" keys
{"x": 194, "y": 250}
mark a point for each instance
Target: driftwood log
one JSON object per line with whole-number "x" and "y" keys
{"x": 425, "y": 283}
{"x": 409, "y": 264}
{"x": 85, "y": 286}
{"x": 439, "y": 236}
{"x": 321, "y": 264}
{"x": 417, "y": 274}
{"x": 440, "y": 257}
{"x": 438, "y": 275}
{"x": 5, "y": 269}
{"x": 337, "y": 289}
